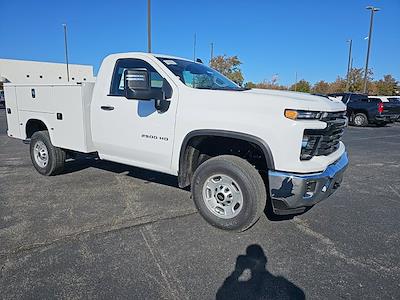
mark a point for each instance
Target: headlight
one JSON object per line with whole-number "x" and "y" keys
{"x": 302, "y": 114}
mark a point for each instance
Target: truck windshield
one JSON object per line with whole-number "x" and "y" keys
{"x": 199, "y": 76}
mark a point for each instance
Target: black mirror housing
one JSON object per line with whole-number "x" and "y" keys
{"x": 137, "y": 84}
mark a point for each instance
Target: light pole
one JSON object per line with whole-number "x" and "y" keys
{"x": 66, "y": 49}
{"x": 194, "y": 47}
{"x": 373, "y": 10}
{"x": 148, "y": 27}
{"x": 349, "y": 65}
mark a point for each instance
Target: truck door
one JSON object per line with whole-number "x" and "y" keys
{"x": 133, "y": 131}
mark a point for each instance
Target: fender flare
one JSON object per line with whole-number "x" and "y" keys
{"x": 231, "y": 134}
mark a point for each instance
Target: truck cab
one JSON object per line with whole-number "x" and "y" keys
{"x": 237, "y": 148}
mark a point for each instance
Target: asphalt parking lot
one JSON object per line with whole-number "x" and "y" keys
{"x": 105, "y": 230}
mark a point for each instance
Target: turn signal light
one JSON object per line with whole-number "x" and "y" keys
{"x": 294, "y": 114}
{"x": 291, "y": 114}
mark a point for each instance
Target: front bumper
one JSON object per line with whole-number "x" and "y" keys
{"x": 293, "y": 193}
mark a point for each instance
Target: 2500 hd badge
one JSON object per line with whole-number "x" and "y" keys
{"x": 154, "y": 137}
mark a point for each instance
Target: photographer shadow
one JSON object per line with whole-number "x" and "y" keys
{"x": 251, "y": 280}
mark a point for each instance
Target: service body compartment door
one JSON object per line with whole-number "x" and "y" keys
{"x": 68, "y": 118}
{"x": 13, "y": 123}
{"x": 36, "y": 98}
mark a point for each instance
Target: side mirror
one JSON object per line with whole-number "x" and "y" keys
{"x": 162, "y": 104}
{"x": 137, "y": 85}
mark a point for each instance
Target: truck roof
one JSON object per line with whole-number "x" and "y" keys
{"x": 125, "y": 54}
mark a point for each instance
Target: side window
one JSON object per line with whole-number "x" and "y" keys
{"x": 117, "y": 81}
{"x": 156, "y": 80}
{"x": 343, "y": 98}
{"x": 355, "y": 98}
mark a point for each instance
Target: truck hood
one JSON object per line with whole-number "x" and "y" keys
{"x": 296, "y": 100}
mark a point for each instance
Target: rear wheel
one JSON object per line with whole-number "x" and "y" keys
{"x": 47, "y": 159}
{"x": 229, "y": 192}
{"x": 360, "y": 120}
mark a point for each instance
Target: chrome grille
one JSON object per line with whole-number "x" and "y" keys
{"x": 325, "y": 141}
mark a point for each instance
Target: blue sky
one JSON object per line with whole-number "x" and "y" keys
{"x": 270, "y": 37}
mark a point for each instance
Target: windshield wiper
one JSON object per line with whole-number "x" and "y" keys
{"x": 220, "y": 88}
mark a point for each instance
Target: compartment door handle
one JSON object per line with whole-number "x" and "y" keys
{"x": 107, "y": 108}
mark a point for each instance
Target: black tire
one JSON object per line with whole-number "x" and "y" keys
{"x": 360, "y": 120}
{"x": 202, "y": 158}
{"x": 56, "y": 156}
{"x": 248, "y": 179}
{"x": 382, "y": 124}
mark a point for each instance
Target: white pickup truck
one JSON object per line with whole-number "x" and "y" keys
{"x": 238, "y": 149}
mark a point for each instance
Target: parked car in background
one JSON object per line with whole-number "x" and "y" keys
{"x": 363, "y": 110}
{"x": 2, "y": 99}
{"x": 393, "y": 99}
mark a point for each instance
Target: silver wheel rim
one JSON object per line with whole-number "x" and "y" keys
{"x": 359, "y": 120}
{"x": 222, "y": 196}
{"x": 41, "y": 154}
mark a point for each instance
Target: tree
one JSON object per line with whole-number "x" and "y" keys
{"x": 301, "y": 86}
{"x": 265, "y": 84}
{"x": 386, "y": 86}
{"x": 338, "y": 86}
{"x": 228, "y": 66}
{"x": 250, "y": 85}
{"x": 356, "y": 79}
{"x": 321, "y": 87}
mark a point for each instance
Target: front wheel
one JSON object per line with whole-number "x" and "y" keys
{"x": 229, "y": 192}
{"x": 47, "y": 159}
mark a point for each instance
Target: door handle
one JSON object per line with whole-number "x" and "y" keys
{"x": 108, "y": 108}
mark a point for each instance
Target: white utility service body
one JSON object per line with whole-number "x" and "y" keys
{"x": 98, "y": 117}
{"x": 43, "y": 102}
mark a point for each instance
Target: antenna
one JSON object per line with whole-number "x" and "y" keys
{"x": 66, "y": 49}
